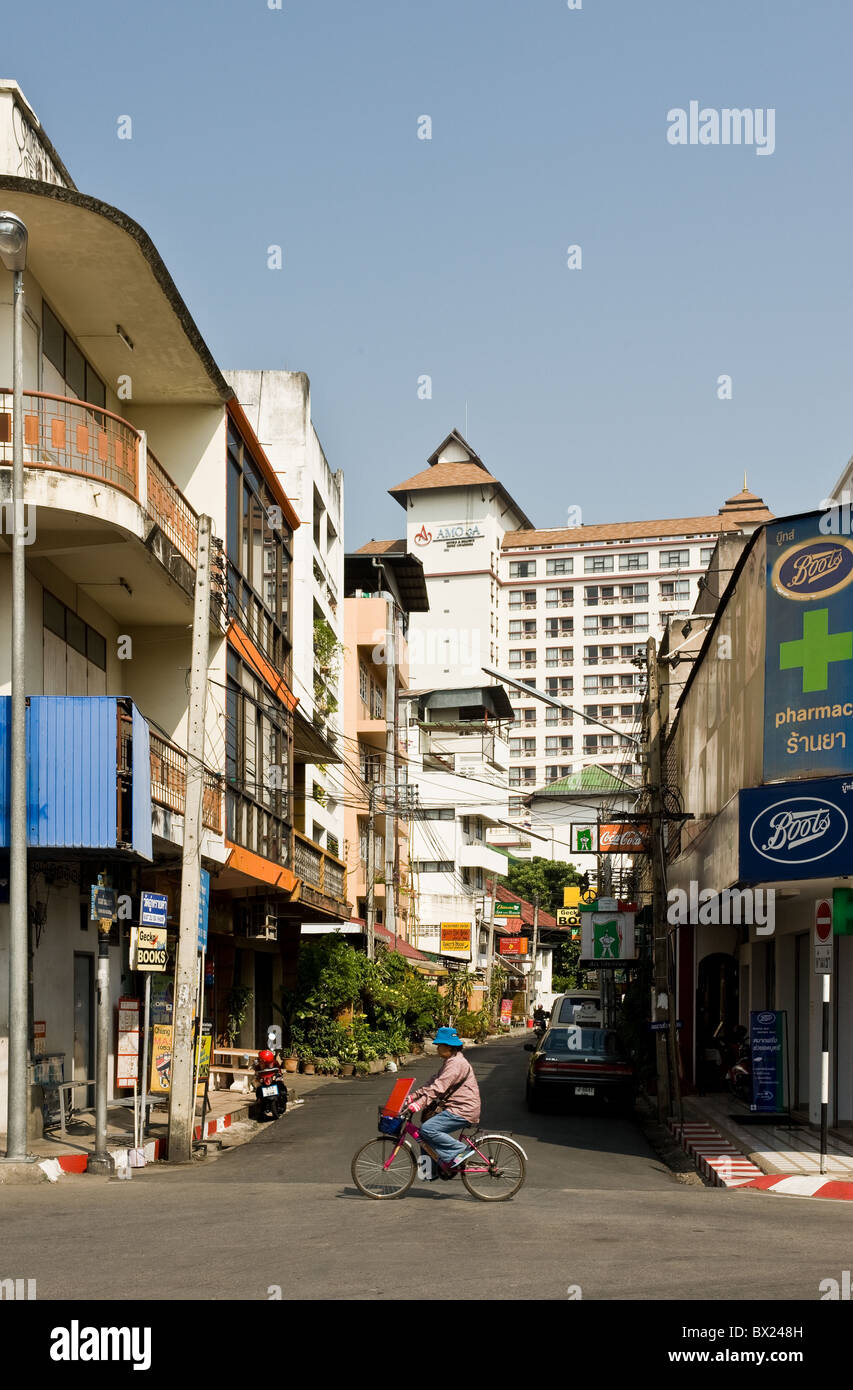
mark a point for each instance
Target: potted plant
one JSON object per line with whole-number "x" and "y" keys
{"x": 361, "y": 1068}
{"x": 348, "y": 1055}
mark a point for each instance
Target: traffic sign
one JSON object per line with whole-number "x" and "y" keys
{"x": 822, "y": 921}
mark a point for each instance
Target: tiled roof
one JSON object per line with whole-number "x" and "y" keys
{"x": 743, "y": 509}
{"x": 448, "y": 474}
{"x": 591, "y": 778}
{"x": 382, "y": 548}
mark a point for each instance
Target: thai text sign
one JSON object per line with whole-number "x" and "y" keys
{"x": 512, "y": 946}
{"x": 623, "y": 837}
{"x": 767, "y": 1036}
{"x": 161, "y": 1058}
{"x": 455, "y": 936}
{"x": 808, "y": 682}
{"x": 796, "y": 830}
{"x": 506, "y": 1012}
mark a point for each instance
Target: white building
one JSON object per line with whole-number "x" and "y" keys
{"x": 278, "y": 404}
{"x": 457, "y": 759}
{"x": 456, "y": 517}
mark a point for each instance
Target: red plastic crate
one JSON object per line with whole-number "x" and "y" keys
{"x": 394, "y": 1103}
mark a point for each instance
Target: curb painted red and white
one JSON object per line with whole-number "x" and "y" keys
{"x": 715, "y": 1157}
{"x": 152, "y": 1149}
{"x": 726, "y": 1166}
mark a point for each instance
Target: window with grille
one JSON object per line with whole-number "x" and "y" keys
{"x": 598, "y": 564}
{"x": 673, "y": 559}
{"x": 564, "y": 565}
{"x": 635, "y": 561}
{"x": 522, "y": 569}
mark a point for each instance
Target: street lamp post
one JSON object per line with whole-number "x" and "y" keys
{"x": 13, "y": 253}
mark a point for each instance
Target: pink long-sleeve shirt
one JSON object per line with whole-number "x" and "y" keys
{"x": 465, "y": 1100}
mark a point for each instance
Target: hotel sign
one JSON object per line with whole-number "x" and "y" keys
{"x": 808, "y": 682}
{"x": 452, "y": 535}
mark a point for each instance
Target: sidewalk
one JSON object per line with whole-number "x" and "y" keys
{"x": 771, "y": 1157}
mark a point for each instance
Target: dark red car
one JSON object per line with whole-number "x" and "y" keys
{"x": 581, "y": 1065}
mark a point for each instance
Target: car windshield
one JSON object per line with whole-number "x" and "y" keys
{"x": 568, "y": 1040}
{"x": 570, "y": 1008}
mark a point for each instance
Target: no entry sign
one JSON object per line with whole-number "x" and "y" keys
{"x": 822, "y": 921}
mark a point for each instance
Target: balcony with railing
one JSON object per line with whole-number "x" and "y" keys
{"x": 74, "y": 437}
{"x": 324, "y": 877}
{"x": 169, "y": 783}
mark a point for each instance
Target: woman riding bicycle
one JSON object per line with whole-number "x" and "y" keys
{"x": 455, "y": 1079}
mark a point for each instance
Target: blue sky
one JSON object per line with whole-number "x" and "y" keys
{"x": 402, "y": 257}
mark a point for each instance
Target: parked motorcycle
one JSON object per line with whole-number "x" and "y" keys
{"x": 739, "y": 1077}
{"x": 270, "y": 1091}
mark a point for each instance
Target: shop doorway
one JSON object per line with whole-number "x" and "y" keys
{"x": 716, "y": 1017}
{"x": 83, "y": 1062}
{"x": 263, "y": 997}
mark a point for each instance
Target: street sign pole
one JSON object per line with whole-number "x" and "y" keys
{"x": 145, "y": 1027}
{"x": 823, "y": 951}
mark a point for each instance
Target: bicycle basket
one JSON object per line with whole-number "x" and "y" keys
{"x": 390, "y": 1124}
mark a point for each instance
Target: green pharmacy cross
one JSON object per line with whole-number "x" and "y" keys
{"x": 815, "y": 650}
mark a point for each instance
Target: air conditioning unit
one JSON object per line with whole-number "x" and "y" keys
{"x": 265, "y": 931}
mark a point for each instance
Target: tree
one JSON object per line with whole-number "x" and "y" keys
{"x": 544, "y": 877}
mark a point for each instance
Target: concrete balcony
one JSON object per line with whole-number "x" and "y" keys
{"x": 479, "y": 856}
{"x": 98, "y": 490}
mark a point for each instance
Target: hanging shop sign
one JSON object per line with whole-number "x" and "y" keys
{"x": 607, "y": 936}
{"x": 796, "y": 830}
{"x": 584, "y": 839}
{"x": 103, "y": 904}
{"x": 512, "y": 946}
{"x": 203, "y": 909}
{"x": 127, "y": 1049}
{"x": 153, "y": 909}
{"x": 507, "y": 909}
{"x": 568, "y": 916}
{"x": 455, "y": 936}
{"x": 808, "y": 683}
{"x": 203, "y": 1052}
{"x": 148, "y": 946}
{"x": 624, "y": 837}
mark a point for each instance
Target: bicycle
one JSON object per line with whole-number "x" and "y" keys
{"x": 385, "y": 1167}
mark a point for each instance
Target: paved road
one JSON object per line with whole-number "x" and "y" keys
{"x": 598, "y": 1210}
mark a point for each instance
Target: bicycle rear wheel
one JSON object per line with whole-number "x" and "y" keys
{"x": 371, "y": 1176}
{"x": 505, "y": 1172}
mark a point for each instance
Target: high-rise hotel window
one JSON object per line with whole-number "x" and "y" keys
{"x": 257, "y": 765}
{"x": 522, "y": 569}
{"x": 260, "y": 550}
{"x": 634, "y": 561}
{"x": 674, "y": 559}
{"x": 598, "y": 564}
{"x": 705, "y": 554}
{"x": 563, "y": 565}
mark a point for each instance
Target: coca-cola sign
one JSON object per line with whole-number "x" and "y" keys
{"x": 796, "y": 830}
{"x": 624, "y": 837}
{"x": 800, "y": 829}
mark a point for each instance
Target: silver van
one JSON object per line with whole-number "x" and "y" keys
{"x": 579, "y": 1006}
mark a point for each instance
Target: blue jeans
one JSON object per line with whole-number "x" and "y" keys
{"x": 437, "y": 1132}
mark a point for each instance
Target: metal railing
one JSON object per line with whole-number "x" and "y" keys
{"x": 171, "y": 510}
{"x": 318, "y": 869}
{"x": 74, "y": 436}
{"x": 169, "y": 782}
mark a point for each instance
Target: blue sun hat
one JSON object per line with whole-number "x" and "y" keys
{"x": 448, "y": 1036}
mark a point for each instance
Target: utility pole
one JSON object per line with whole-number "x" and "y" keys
{"x": 370, "y": 895}
{"x": 181, "y": 1091}
{"x": 100, "y": 1162}
{"x": 491, "y": 945}
{"x": 18, "y": 1068}
{"x": 661, "y": 998}
{"x": 533, "y": 990}
{"x": 390, "y": 769}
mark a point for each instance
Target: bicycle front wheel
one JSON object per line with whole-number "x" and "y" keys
{"x": 501, "y": 1175}
{"x": 375, "y": 1176}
